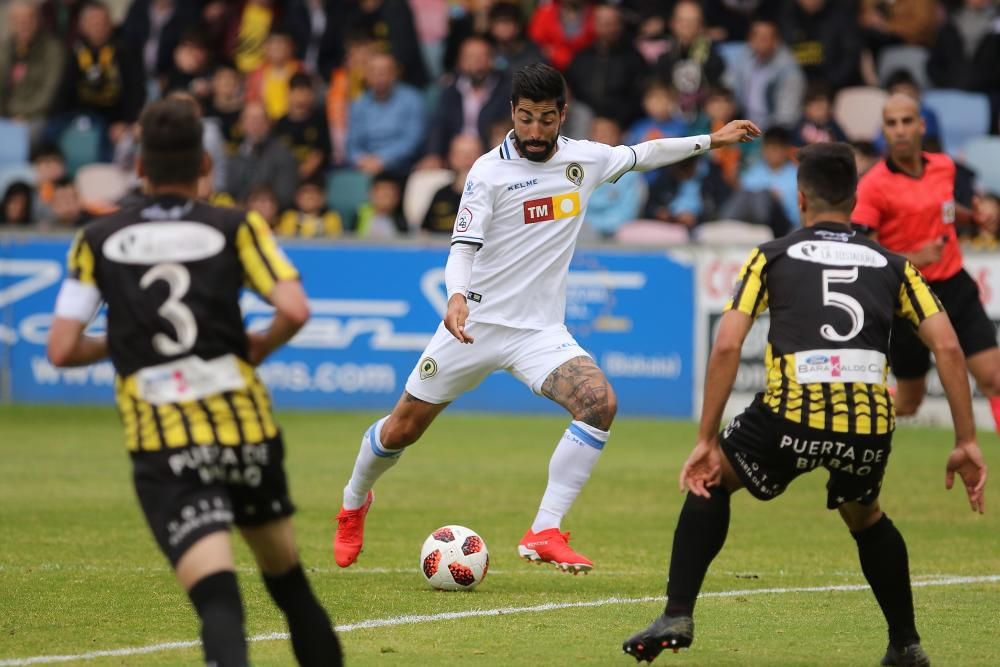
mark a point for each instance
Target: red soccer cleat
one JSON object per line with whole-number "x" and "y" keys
{"x": 551, "y": 546}
{"x": 350, "y": 536}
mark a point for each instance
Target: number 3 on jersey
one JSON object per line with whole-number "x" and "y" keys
{"x": 843, "y": 301}
{"x": 173, "y": 310}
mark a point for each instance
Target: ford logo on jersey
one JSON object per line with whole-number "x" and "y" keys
{"x": 817, "y": 359}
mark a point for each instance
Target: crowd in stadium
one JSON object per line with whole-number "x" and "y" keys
{"x": 362, "y": 117}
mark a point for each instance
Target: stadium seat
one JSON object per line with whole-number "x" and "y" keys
{"x": 652, "y": 232}
{"x": 100, "y": 187}
{"x": 858, "y": 110}
{"x": 14, "y": 142}
{"x": 80, "y": 143}
{"x": 963, "y": 116}
{"x": 346, "y": 190}
{"x": 913, "y": 59}
{"x": 420, "y": 189}
{"x": 983, "y": 155}
{"x": 732, "y": 232}
{"x": 731, "y": 53}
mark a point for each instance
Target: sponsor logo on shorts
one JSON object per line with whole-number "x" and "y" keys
{"x": 574, "y": 173}
{"x": 464, "y": 220}
{"x": 428, "y": 368}
{"x": 551, "y": 208}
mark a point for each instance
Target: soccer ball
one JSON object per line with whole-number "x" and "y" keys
{"x": 454, "y": 558}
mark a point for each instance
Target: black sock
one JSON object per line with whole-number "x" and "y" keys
{"x": 883, "y": 560}
{"x": 700, "y": 533}
{"x": 313, "y": 639}
{"x": 217, "y": 600}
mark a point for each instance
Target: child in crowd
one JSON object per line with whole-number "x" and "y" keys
{"x": 463, "y": 152}
{"x": 304, "y": 130}
{"x": 310, "y": 218}
{"x": 817, "y": 124}
{"x": 15, "y": 209}
{"x": 270, "y": 82}
{"x": 382, "y": 216}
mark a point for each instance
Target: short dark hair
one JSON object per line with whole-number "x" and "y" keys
{"x": 171, "y": 147}
{"x": 538, "y": 82}
{"x": 818, "y": 90}
{"x": 901, "y": 77}
{"x": 828, "y": 176}
{"x": 506, "y": 11}
{"x": 777, "y": 135}
{"x": 300, "y": 80}
{"x": 46, "y": 150}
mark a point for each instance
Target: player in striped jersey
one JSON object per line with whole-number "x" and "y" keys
{"x": 831, "y": 293}
{"x": 206, "y": 452}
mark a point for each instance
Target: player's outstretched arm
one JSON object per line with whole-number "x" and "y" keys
{"x": 291, "y": 312}
{"x": 661, "y": 152}
{"x": 703, "y": 467}
{"x": 734, "y": 132}
{"x": 966, "y": 459}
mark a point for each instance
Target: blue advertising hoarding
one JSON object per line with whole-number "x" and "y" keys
{"x": 374, "y": 309}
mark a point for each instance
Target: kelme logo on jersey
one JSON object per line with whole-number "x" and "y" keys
{"x": 574, "y": 172}
{"x": 551, "y": 208}
{"x": 428, "y": 368}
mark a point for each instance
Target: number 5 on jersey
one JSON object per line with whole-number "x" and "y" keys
{"x": 843, "y": 301}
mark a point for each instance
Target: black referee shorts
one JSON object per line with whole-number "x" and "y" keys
{"x": 959, "y": 295}
{"x": 768, "y": 452}
{"x": 190, "y": 492}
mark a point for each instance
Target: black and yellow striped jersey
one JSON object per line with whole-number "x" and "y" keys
{"x": 171, "y": 271}
{"x": 832, "y": 295}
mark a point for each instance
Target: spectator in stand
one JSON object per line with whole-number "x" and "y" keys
{"x": 262, "y": 200}
{"x": 866, "y": 156}
{"x": 15, "y": 209}
{"x": 687, "y": 193}
{"x": 152, "y": 29}
{"x": 901, "y": 81}
{"x": 477, "y": 98}
{"x": 512, "y": 49}
{"x": 192, "y": 68}
{"x": 466, "y": 19}
{"x": 246, "y": 29}
{"x": 562, "y": 29}
{"x": 690, "y": 61}
{"x": 440, "y": 218}
{"x": 985, "y": 235}
{"x": 776, "y": 173}
{"x": 61, "y": 19}
{"x": 386, "y": 126}
{"x": 499, "y": 131}
{"x": 101, "y": 80}
{"x": 316, "y": 34}
{"x": 768, "y": 83}
{"x": 30, "y": 64}
{"x": 49, "y": 167}
{"x": 824, "y": 37}
{"x": 391, "y": 22}
{"x": 381, "y": 217}
{"x": 908, "y": 21}
{"x": 607, "y": 75}
{"x": 612, "y": 205}
{"x": 817, "y": 124}
{"x": 347, "y": 84}
{"x": 967, "y": 51}
{"x": 662, "y": 120}
{"x": 67, "y": 207}
{"x": 310, "y": 218}
{"x": 269, "y": 82}
{"x": 226, "y": 103}
{"x": 304, "y": 130}
{"x": 261, "y": 158}
{"x": 731, "y": 20}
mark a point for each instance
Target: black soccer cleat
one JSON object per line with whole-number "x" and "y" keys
{"x": 666, "y": 632}
{"x": 910, "y": 656}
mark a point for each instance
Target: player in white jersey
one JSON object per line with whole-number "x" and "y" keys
{"x": 514, "y": 236}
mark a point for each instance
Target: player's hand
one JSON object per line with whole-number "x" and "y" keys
{"x": 930, "y": 253}
{"x": 454, "y": 319}
{"x": 703, "y": 468}
{"x": 735, "y": 132}
{"x": 967, "y": 460}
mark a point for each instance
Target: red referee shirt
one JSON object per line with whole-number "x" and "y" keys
{"x": 908, "y": 213}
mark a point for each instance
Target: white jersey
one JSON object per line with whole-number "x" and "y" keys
{"x": 526, "y": 216}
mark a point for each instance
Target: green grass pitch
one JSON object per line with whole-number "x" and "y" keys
{"x": 79, "y": 572}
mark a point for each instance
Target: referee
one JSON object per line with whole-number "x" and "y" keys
{"x": 831, "y": 294}
{"x": 205, "y": 450}
{"x": 907, "y": 202}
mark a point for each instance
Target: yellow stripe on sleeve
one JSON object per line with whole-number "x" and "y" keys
{"x": 750, "y": 296}
{"x": 916, "y": 300}
{"x": 80, "y": 260}
{"x": 263, "y": 262}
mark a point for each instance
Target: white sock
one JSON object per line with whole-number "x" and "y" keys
{"x": 569, "y": 470}
{"x": 373, "y": 460}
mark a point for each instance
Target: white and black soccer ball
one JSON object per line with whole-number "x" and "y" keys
{"x": 454, "y": 558}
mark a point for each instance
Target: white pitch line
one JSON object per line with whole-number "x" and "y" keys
{"x": 478, "y": 613}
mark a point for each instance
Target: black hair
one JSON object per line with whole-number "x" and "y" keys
{"x": 818, "y": 90}
{"x": 17, "y": 189}
{"x": 901, "y": 77}
{"x": 658, "y": 83}
{"x": 315, "y": 181}
{"x": 828, "y": 176}
{"x": 866, "y": 148}
{"x": 539, "y": 82}
{"x": 721, "y": 91}
{"x": 300, "y": 80}
{"x": 506, "y": 11}
{"x": 777, "y": 135}
{"x": 46, "y": 150}
{"x": 387, "y": 177}
{"x": 171, "y": 148}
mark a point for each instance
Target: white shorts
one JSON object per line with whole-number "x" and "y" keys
{"x": 447, "y": 368}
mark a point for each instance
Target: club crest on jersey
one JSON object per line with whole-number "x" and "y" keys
{"x": 463, "y": 220}
{"x": 551, "y": 208}
{"x": 428, "y": 368}
{"x": 574, "y": 172}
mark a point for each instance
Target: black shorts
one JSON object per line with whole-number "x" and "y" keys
{"x": 959, "y": 295}
{"x": 190, "y": 492}
{"x": 768, "y": 452}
